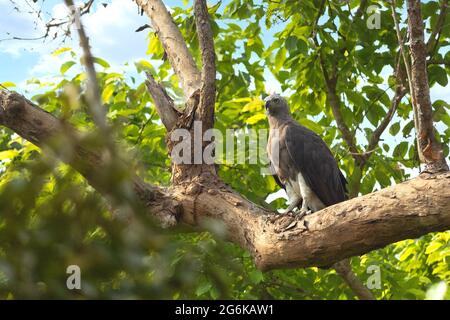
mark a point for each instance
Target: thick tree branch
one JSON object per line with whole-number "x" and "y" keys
{"x": 350, "y": 228}
{"x": 163, "y": 103}
{"x": 406, "y": 61}
{"x": 354, "y": 227}
{"x": 42, "y": 128}
{"x": 174, "y": 45}
{"x": 206, "y": 40}
{"x": 431, "y": 150}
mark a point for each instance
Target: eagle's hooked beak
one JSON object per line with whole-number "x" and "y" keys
{"x": 266, "y": 105}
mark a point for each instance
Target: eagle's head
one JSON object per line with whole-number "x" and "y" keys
{"x": 276, "y": 105}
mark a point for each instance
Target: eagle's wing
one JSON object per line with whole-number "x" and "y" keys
{"x": 316, "y": 163}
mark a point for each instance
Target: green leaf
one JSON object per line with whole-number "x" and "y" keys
{"x": 256, "y": 276}
{"x": 407, "y": 253}
{"x": 400, "y": 150}
{"x": 66, "y": 66}
{"x": 433, "y": 246}
{"x": 311, "y": 125}
{"x": 59, "y": 51}
{"x": 144, "y": 65}
{"x": 407, "y": 128}
{"x": 101, "y": 62}
{"x": 254, "y": 105}
{"x": 394, "y": 129}
{"x": 256, "y": 118}
{"x": 7, "y": 84}
{"x": 8, "y": 154}
{"x": 108, "y": 92}
{"x": 437, "y": 74}
{"x": 203, "y": 288}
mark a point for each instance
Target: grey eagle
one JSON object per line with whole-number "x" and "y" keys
{"x": 301, "y": 161}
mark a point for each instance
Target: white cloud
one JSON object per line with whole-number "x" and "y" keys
{"x": 16, "y": 22}
{"x": 110, "y": 30}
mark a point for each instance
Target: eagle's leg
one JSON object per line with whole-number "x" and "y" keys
{"x": 294, "y": 197}
{"x": 311, "y": 202}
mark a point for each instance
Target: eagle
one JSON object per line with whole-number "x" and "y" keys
{"x": 301, "y": 161}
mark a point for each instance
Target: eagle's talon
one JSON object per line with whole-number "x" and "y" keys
{"x": 305, "y": 212}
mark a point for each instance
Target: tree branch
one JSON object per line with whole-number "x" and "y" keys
{"x": 343, "y": 268}
{"x": 163, "y": 103}
{"x": 206, "y": 40}
{"x": 406, "y": 61}
{"x": 334, "y": 101}
{"x": 436, "y": 33}
{"x": 431, "y": 150}
{"x": 96, "y": 107}
{"x": 42, "y": 128}
{"x": 350, "y": 228}
{"x": 400, "y": 92}
{"x": 439, "y": 61}
{"x": 174, "y": 45}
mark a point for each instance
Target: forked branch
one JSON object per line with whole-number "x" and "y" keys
{"x": 174, "y": 45}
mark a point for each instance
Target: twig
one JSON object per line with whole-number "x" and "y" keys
{"x": 406, "y": 62}
{"x": 163, "y": 102}
{"x": 343, "y": 268}
{"x": 400, "y": 92}
{"x": 433, "y": 41}
{"x": 93, "y": 90}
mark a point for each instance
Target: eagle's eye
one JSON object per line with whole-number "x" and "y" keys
{"x": 276, "y": 100}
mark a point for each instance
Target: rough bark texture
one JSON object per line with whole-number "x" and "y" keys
{"x": 350, "y": 228}
{"x": 40, "y": 127}
{"x": 163, "y": 103}
{"x": 208, "y": 90}
{"x": 431, "y": 151}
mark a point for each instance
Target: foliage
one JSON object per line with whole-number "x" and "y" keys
{"x": 50, "y": 218}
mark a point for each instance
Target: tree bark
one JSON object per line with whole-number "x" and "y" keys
{"x": 357, "y": 226}
{"x": 431, "y": 151}
{"x": 163, "y": 103}
{"x": 44, "y": 130}
{"x": 206, "y": 40}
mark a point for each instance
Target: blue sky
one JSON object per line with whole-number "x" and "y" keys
{"x": 111, "y": 30}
